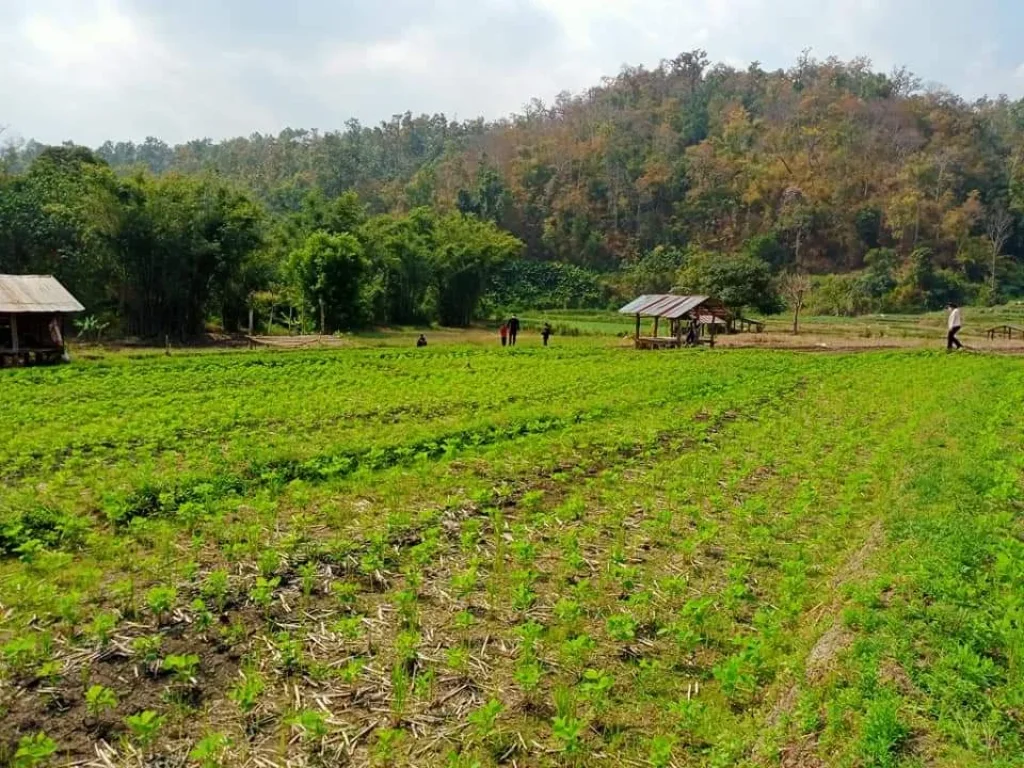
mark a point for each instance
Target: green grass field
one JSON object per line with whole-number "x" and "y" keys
{"x": 888, "y": 326}
{"x": 468, "y": 556}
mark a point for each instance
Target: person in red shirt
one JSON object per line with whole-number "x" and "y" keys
{"x": 504, "y": 334}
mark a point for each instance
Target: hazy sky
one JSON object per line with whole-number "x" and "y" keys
{"x": 89, "y": 70}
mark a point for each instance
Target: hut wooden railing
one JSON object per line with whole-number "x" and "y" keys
{"x": 1006, "y": 331}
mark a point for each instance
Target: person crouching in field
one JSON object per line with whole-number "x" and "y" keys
{"x": 421, "y": 341}
{"x": 954, "y": 324}
{"x": 504, "y": 334}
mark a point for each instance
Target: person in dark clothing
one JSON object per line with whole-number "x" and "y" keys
{"x": 545, "y": 333}
{"x": 954, "y": 324}
{"x": 513, "y": 330}
{"x": 421, "y": 341}
{"x": 691, "y": 333}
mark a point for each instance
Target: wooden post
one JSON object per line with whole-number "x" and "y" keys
{"x": 250, "y": 321}
{"x": 14, "y": 333}
{"x": 638, "y": 330}
{"x": 656, "y": 318}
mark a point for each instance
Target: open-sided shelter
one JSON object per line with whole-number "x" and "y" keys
{"x": 33, "y": 309}
{"x": 687, "y": 316}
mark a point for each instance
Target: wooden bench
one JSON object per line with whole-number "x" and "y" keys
{"x": 30, "y": 356}
{"x": 669, "y": 342}
{"x": 657, "y": 342}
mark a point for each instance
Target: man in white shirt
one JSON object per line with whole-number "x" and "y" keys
{"x": 955, "y": 321}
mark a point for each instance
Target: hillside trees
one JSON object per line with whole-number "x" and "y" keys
{"x": 814, "y": 168}
{"x": 738, "y": 280}
{"x": 328, "y": 270}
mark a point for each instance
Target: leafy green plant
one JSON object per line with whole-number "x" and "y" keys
{"x": 102, "y": 627}
{"x": 246, "y": 694}
{"x": 310, "y": 723}
{"x": 262, "y": 593}
{"x": 148, "y": 647}
{"x": 203, "y": 617}
{"x": 484, "y": 721}
{"x": 161, "y": 600}
{"x": 345, "y": 592}
{"x": 883, "y": 732}
{"x": 660, "y": 751}
{"x": 210, "y": 751}
{"x": 145, "y": 726}
{"x": 100, "y": 699}
{"x": 34, "y": 750}
{"x": 182, "y": 668}
{"x": 215, "y": 588}
{"x": 388, "y": 741}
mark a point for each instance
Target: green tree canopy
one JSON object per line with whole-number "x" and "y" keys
{"x": 466, "y": 251}
{"x": 328, "y": 269}
{"x": 738, "y": 280}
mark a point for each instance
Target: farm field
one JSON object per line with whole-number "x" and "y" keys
{"x": 881, "y": 330}
{"x": 466, "y": 556}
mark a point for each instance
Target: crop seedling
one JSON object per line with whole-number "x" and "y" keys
{"x": 308, "y": 574}
{"x": 262, "y": 593}
{"x": 147, "y": 648}
{"x": 388, "y": 742}
{"x": 215, "y": 588}
{"x": 145, "y": 726}
{"x": 101, "y": 628}
{"x": 350, "y": 628}
{"x": 34, "y": 750}
{"x": 458, "y": 659}
{"x": 310, "y": 723}
{"x": 352, "y": 671}
{"x": 567, "y": 729}
{"x": 211, "y": 751}
{"x": 161, "y": 600}
{"x": 269, "y": 562}
{"x": 202, "y": 616}
{"x": 289, "y": 649}
{"x": 182, "y": 668}
{"x": 99, "y": 699}
{"x": 345, "y": 592}
{"x": 660, "y": 751}
{"x": 248, "y": 691}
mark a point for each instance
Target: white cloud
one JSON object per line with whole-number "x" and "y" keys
{"x": 94, "y": 69}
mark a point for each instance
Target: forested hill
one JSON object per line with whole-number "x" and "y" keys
{"x": 827, "y": 167}
{"x": 832, "y": 154}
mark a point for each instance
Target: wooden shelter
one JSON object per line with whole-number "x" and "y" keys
{"x": 690, "y": 319}
{"x": 33, "y": 309}
{"x": 1006, "y": 331}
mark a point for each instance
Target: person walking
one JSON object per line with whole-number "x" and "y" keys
{"x": 954, "y": 324}
{"x": 504, "y": 334}
{"x": 545, "y": 333}
{"x": 513, "y": 330}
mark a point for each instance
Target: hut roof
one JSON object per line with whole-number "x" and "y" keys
{"x": 21, "y": 294}
{"x": 671, "y": 306}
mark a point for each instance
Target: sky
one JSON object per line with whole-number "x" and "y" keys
{"x": 92, "y": 70}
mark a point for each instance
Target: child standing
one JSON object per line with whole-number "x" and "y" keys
{"x": 504, "y": 334}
